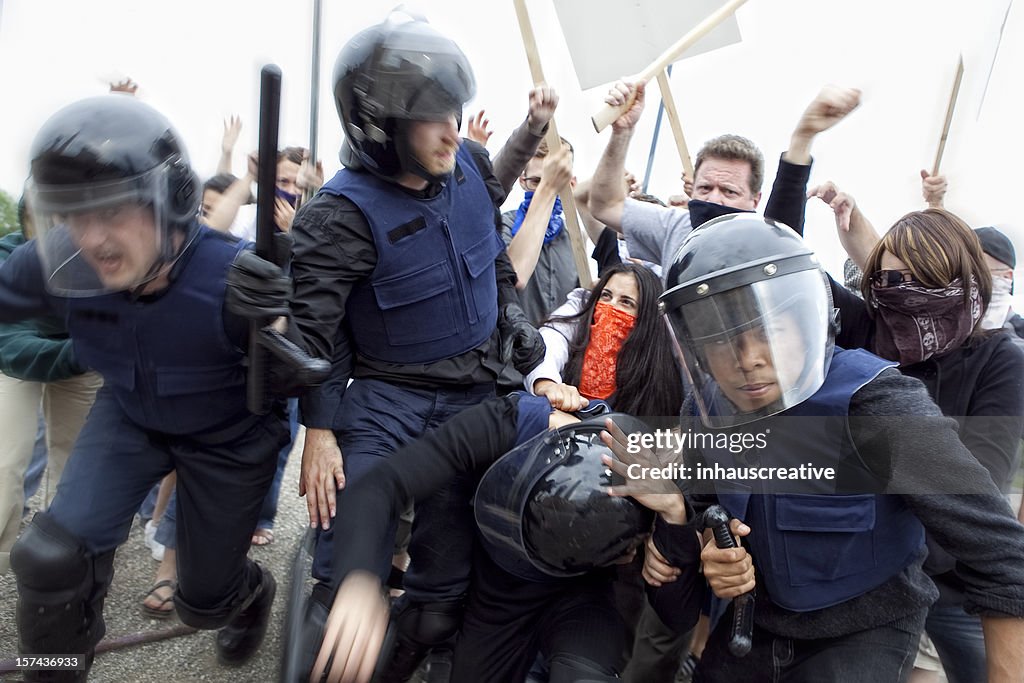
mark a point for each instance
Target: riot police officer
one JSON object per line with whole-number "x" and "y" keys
{"x": 837, "y": 563}
{"x": 141, "y": 288}
{"x": 401, "y": 278}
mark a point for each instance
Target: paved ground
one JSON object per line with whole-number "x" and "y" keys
{"x": 184, "y": 658}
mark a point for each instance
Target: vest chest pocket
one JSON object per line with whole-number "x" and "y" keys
{"x": 417, "y": 307}
{"x": 482, "y": 299}
{"x": 826, "y": 537}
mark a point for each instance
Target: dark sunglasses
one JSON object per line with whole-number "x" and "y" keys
{"x": 891, "y": 278}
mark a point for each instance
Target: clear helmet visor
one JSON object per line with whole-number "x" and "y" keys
{"x": 756, "y": 350}
{"x": 103, "y": 237}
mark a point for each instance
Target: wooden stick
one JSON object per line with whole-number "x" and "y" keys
{"x": 673, "y": 120}
{"x": 949, "y": 114}
{"x": 554, "y": 141}
{"x": 109, "y": 644}
{"x": 608, "y": 113}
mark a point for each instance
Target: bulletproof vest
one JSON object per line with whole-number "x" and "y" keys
{"x": 167, "y": 359}
{"x": 433, "y": 294}
{"x": 824, "y": 545}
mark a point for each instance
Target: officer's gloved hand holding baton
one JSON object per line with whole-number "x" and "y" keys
{"x": 730, "y": 573}
{"x": 257, "y": 289}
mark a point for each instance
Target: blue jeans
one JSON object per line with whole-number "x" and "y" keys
{"x": 884, "y": 654}
{"x": 269, "y": 509}
{"x": 376, "y": 419}
{"x": 959, "y": 640}
{"x": 36, "y": 466}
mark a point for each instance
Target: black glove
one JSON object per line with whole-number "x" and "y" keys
{"x": 257, "y": 289}
{"x": 283, "y": 248}
{"x": 520, "y": 341}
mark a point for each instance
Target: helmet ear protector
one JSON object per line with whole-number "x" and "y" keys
{"x": 183, "y": 191}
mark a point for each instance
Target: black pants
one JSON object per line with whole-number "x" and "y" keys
{"x": 884, "y": 654}
{"x": 221, "y": 486}
{"x": 572, "y": 623}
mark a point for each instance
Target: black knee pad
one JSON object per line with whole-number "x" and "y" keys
{"x": 48, "y": 559}
{"x": 414, "y": 629}
{"x": 61, "y": 588}
{"x": 427, "y": 624}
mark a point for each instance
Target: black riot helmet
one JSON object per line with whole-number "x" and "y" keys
{"x": 110, "y": 190}
{"x": 543, "y": 508}
{"x": 750, "y": 313}
{"x": 398, "y": 71}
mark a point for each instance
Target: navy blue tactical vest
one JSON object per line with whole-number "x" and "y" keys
{"x": 433, "y": 294}
{"x": 823, "y": 547}
{"x": 167, "y": 359}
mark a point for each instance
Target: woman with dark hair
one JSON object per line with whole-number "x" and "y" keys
{"x": 610, "y": 343}
{"x": 622, "y": 355}
{"x": 926, "y": 288}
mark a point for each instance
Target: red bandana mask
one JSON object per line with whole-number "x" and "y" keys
{"x": 610, "y": 328}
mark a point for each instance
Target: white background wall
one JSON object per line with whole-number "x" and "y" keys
{"x": 199, "y": 62}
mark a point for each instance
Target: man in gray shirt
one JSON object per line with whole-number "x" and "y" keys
{"x": 729, "y": 172}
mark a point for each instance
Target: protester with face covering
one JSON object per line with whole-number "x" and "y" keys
{"x": 728, "y": 170}
{"x": 621, "y": 356}
{"x": 609, "y": 343}
{"x": 1001, "y": 260}
{"x": 926, "y": 290}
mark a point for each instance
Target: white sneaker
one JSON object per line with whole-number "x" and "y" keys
{"x": 150, "y": 533}
{"x": 155, "y": 549}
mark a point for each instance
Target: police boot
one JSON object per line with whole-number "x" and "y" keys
{"x": 415, "y": 629}
{"x": 305, "y": 638}
{"x": 237, "y": 641}
{"x": 61, "y": 588}
{"x": 439, "y": 665}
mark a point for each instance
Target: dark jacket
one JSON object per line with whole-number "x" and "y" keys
{"x": 896, "y": 427}
{"x": 36, "y": 350}
{"x": 980, "y": 384}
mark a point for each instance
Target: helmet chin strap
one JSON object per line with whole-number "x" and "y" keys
{"x": 168, "y": 258}
{"x": 410, "y": 164}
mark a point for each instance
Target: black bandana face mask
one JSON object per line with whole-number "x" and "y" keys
{"x": 918, "y": 322}
{"x": 701, "y": 212}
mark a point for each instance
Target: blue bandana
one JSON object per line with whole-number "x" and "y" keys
{"x": 555, "y": 223}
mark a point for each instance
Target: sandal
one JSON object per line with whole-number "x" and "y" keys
{"x": 262, "y": 537}
{"x": 159, "y": 612}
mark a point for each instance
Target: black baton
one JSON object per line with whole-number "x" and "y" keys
{"x": 266, "y": 186}
{"x": 741, "y": 637}
{"x": 263, "y": 338}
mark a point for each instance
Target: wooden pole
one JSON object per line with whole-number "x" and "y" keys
{"x": 608, "y": 113}
{"x": 554, "y": 141}
{"x": 673, "y": 120}
{"x": 949, "y": 114}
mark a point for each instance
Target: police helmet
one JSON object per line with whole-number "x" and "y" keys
{"x": 750, "y": 313}
{"x": 397, "y": 71}
{"x": 543, "y": 509}
{"x": 110, "y": 185}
